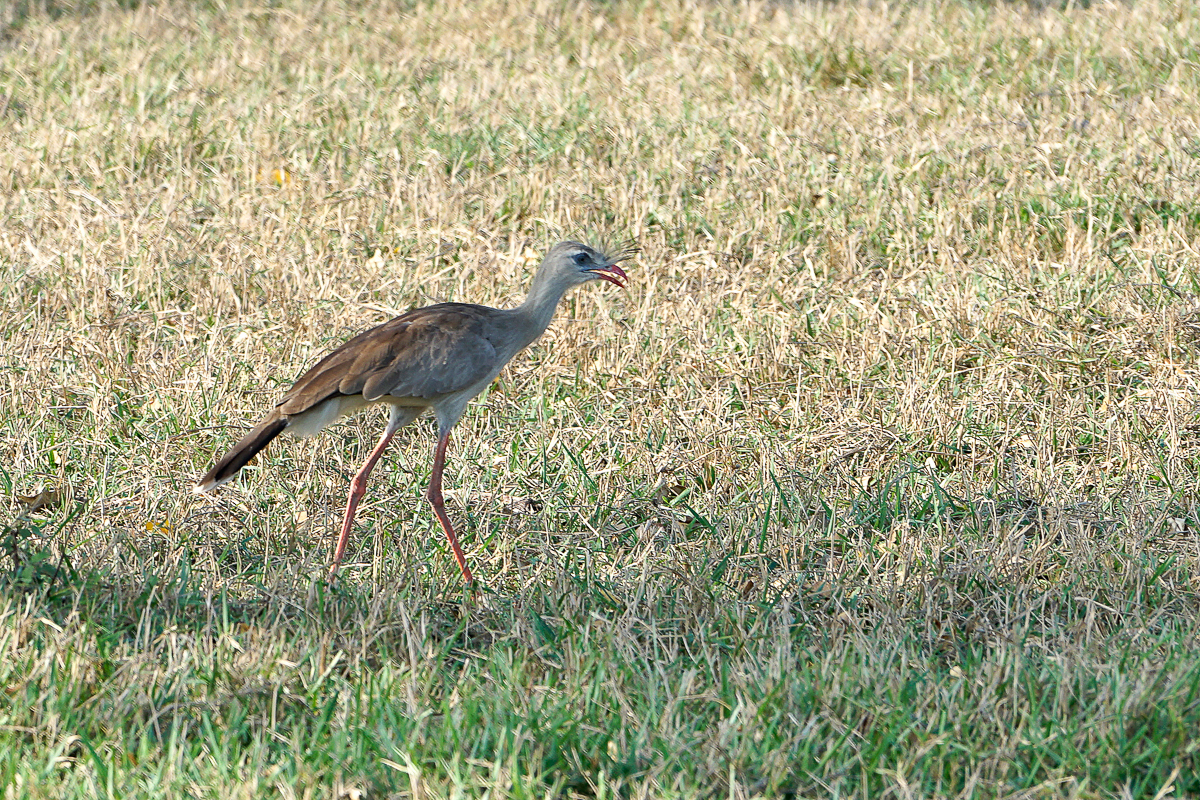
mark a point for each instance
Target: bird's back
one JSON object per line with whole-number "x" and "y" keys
{"x": 421, "y": 356}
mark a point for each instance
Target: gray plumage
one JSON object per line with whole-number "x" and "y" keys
{"x": 436, "y": 358}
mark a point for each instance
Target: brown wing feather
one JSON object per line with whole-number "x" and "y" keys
{"x": 426, "y": 353}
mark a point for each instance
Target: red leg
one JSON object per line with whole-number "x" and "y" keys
{"x": 358, "y": 487}
{"x": 434, "y": 496}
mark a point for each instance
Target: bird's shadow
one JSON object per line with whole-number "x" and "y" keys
{"x": 127, "y": 608}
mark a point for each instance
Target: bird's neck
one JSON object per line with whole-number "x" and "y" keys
{"x": 533, "y": 316}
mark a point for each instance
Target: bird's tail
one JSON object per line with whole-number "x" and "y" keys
{"x": 241, "y": 453}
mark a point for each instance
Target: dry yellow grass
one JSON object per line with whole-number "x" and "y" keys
{"x": 907, "y": 365}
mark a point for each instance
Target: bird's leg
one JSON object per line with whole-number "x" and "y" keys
{"x": 359, "y": 485}
{"x": 434, "y": 496}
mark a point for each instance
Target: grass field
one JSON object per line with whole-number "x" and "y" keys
{"x": 880, "y": 481}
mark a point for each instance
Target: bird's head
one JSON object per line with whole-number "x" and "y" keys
{"x": 582, "y": 263}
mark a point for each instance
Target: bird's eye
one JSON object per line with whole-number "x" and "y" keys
{"x": 581, "y": 258}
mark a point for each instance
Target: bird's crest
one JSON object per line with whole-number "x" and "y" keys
{"x": 614, "y": 248}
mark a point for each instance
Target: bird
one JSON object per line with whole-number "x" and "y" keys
{"x": 436, "y": 358}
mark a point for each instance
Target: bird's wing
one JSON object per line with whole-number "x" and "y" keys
{"x": 426, "y": 353}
